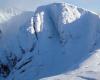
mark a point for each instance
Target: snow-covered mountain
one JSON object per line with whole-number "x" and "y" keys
{"x": 56, "y": 42}
{"x": 7, "y": 13}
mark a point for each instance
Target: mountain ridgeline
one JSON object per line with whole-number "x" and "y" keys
{"x": 55, "y": 39}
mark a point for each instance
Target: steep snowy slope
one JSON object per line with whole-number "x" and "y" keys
{"x": 88, "y": 70}
{"x": 59, "y": 39}
{"x": 15, "y": 35}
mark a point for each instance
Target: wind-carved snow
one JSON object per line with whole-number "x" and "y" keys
{"x": 57, "y": 40}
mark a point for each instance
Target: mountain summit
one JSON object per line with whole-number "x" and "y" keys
{"x": 57, "y": 41}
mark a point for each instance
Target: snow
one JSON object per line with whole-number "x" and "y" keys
{"x": 57, "y": 41}
{"x": 6, "y": 14}
{"x": 88, "y": 70}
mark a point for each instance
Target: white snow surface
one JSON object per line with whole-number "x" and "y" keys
{"x": 58, "y": 41}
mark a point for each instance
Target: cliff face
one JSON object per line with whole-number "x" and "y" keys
{"x": 54, "y": 40}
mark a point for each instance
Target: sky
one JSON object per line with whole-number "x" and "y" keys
{"x": 93, "y": 5}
